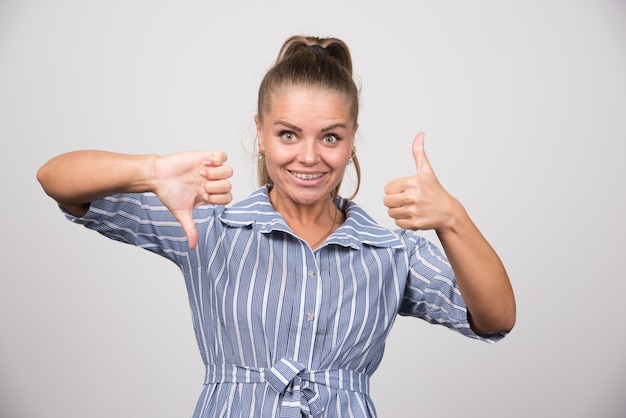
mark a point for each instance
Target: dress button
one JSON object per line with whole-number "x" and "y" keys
{"x": 310, "y": 316}
{"x": 311, "y": 273}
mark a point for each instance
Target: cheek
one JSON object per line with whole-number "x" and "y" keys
{"x": 276, "y": 155}
{"x": 341, "y": 160}
{"x": 338, "y": 164}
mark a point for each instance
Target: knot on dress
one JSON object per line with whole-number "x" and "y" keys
{"x": 303, "y": 392}
{"x": 287, "y": 377}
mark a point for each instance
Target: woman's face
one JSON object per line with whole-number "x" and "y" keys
{"x": 307, "y": 139}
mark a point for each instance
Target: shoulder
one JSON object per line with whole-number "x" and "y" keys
{"x": 256, "y": 208}
{"x": 369, "y": 231}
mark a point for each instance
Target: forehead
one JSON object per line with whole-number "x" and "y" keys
{"x": 308, "y": 102}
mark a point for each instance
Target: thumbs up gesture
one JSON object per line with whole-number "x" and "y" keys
{"x": 419, "y": 201}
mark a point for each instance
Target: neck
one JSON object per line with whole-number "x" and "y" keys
{"x": 319, "y": 212}
{"x": 312, "y": 223}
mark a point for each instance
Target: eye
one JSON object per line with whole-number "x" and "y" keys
{"x": 330, "y": 139}
{"x": 288, "y": 136}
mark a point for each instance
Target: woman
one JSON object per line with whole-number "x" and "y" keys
{"x": 294, "y": 289}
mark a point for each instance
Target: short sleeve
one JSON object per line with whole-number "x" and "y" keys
{"x": 138, "y": 219}
{"x": 431, "y": 291}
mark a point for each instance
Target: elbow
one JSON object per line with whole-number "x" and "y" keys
{"x": 42, "y": 177}
{"x": 48, "y": 179}
{"x": 506, "y": 318}
{"x": 494, "y": 322}
{"x": 507, "y": 322}
{"x": 509, "y": 315}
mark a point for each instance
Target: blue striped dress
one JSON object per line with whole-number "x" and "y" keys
{"x": 284, "y": 330}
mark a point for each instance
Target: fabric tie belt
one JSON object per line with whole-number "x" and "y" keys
{"x": 289, "y": 379}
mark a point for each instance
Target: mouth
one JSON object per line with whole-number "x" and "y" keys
{"x": 307, "y": 176}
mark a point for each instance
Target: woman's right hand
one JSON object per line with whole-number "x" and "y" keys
{"x": 186, "y": 180}
{"x": 182, "y": 181}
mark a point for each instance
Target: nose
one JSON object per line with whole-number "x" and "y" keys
{"x": 309, "y": 154}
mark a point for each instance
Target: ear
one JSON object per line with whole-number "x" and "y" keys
{"x": 356, "y": 127}
{"x": 259, "y": 133}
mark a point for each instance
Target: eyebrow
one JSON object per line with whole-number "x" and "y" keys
{"x": 334, "y": 126}
{"x": 296, "y": 129}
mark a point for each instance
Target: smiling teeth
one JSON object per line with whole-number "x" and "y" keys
{"x": 303, "y": 176}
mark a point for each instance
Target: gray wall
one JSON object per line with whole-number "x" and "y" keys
{"x": 524, "y": 109}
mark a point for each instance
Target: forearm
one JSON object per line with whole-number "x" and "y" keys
{"x": 80, "y": 177}
{"x": 482, "y": 278}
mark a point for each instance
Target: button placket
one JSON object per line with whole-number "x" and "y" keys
{"x": 311, "y": 291}
{"x": 311, "y": 305}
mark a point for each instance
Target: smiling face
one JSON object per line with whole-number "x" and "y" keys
{"x": 306, "y": 136}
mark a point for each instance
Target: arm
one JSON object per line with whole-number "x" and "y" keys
{"x": 182, "y": 181}
{"x": 420, "y": 202}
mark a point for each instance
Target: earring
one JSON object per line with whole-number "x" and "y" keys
{"x": 261, "y": 156}
{"x": 352, "y": 155}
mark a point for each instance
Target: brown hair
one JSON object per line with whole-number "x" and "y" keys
{"x": 311, "y": 62}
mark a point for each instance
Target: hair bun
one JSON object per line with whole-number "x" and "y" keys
{"x": 329, "y": 47}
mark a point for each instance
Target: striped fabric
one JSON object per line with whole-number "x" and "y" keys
{"x": 284, "y": 330}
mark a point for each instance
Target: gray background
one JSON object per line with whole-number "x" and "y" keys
{"x": 524, "y": 108}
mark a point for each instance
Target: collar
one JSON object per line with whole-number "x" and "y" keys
{"x": 358, "y": 229}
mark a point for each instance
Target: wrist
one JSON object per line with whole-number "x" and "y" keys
{"x": 137, "y": 173}
{"x": 456, "y": 218}
{"x": 147, "y": 178}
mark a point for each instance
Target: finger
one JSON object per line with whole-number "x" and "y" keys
{"x": 398, "y": 213}
{"x": 401, "y": 185}
{"x": 186, "y": 221}
{"x": 220, "y": 199}
{"x": 407, "y": 223}
{"x": 217, "y": 186}
{"x": 419, "y": 154}
{"x": 394, "y": 186}
{"x": 215, "y": 159}
{"x": 393, "y": 200}
{"x": 217, "y": 173}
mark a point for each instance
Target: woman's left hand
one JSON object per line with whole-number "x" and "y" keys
{"x": 419, "y": 201}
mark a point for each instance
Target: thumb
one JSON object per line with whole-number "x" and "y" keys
{"x": 189, "y": 226}
{"x": 419, "y": 155}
